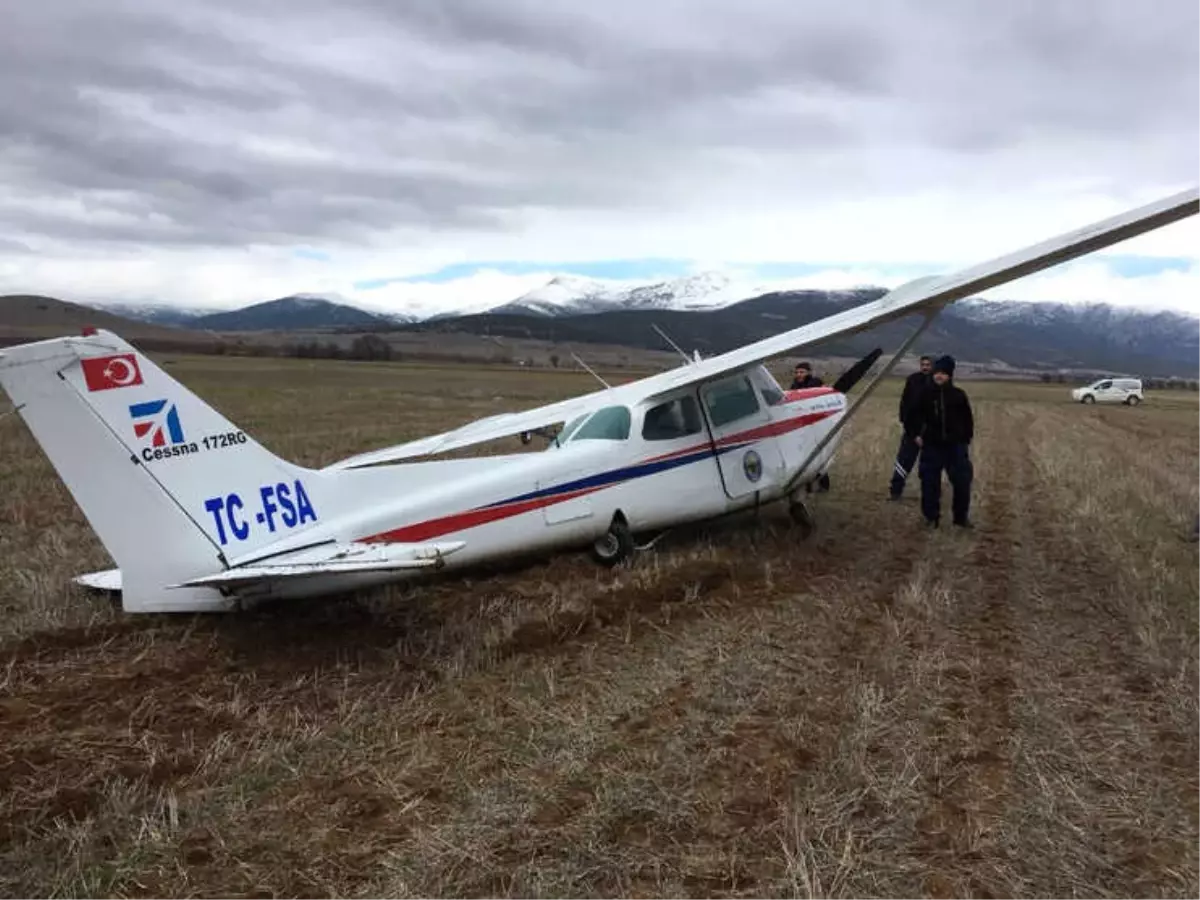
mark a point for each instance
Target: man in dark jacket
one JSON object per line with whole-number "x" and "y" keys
{"x": 906, "y": 456}
{"x": 943, "y": 426}
{"x": 805, "y": 378}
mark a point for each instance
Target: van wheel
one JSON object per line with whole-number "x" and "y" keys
{"x": 1133, "y": 401}
{"x": 614, "y": 545}
{"x": 1088, "y": 398}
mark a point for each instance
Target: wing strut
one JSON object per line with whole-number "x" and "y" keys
{"x": 687, "y": 359}
{"x": 589, "y": 368}
{"x": 891, "y": 364}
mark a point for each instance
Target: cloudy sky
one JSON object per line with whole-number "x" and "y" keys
{"x": 428, "y": 151}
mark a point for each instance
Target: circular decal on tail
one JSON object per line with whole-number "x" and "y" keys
{"x": 752, "y": 465}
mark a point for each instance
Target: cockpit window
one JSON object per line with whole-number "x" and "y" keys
{"x": 608, "y": 424}
{"x": 730, "y": 400}
{"x": 673, "y": 419}
{"x": 772, "y": 396}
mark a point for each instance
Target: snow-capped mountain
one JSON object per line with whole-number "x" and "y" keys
{"x": 567, "y": 295}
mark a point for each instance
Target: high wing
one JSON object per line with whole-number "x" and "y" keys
{"x": 922, "y": 295}
{"x": 481, "y": 430}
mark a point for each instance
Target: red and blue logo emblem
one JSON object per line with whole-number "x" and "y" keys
{"x": 157, "y": 419}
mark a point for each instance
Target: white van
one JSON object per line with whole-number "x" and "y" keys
{"x": 1111, "y": 390}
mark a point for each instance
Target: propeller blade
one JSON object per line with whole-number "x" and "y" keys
{"x": 854, "y": 374}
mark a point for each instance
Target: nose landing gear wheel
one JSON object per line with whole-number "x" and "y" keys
{"x": 802, "y": 518}
{"x": 614, "y": 546}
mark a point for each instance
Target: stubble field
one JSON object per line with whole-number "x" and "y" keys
{"x": 878, "y": 710}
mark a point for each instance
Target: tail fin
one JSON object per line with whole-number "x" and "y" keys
{"x": 152, "y": 466}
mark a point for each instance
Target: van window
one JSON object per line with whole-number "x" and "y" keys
{"x": 731, "y": 400}
{"x": 673, "y": 419}
{"x": 608, "y": 424}
{"x": 1104, "y": 385}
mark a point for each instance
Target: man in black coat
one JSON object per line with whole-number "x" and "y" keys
{"x": 804, "y": 378}
{"x": 906, "y": 456}
{"x": 943, "y": 426}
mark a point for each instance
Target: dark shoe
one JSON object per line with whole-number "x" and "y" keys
{"x": 965, "y": 523}
{"x": 931, "y": 523}
{"x": 893, "y": 498}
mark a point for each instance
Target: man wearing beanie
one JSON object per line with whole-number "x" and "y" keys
{"x": 943, "y": 426}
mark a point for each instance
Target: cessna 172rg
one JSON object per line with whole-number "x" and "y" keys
{"x": 198, "y": 516}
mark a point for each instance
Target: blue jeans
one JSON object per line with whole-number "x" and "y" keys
{"x": 955, "y": 461}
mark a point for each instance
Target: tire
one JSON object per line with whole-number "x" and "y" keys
{"x": 803, "y": 520}
{"x": 1088, "y": 398}
{"x": 614, "y": 546}
{"x": 1133, "y": 401}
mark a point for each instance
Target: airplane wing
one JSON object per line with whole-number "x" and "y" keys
{"x": 479, "y": 431}
{"x": 920, "y": 295}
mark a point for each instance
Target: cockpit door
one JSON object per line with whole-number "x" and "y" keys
{"x": 741, "y": 429}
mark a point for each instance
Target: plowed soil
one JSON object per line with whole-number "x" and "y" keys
{"x": 877, "y": 710}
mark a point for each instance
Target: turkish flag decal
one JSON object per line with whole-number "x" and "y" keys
{"x": 102, "y": 373}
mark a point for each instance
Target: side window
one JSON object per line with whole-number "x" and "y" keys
{"x": 608, "y": 424}
{"x": 1104, "y": 385}
{"x": 673, "y": 419}
{"x": 730, "y": 401}
{"x": 772, "y": 396}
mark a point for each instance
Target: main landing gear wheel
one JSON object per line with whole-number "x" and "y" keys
{"x": 802, "y": 517}
{"x": 614, "y": 546}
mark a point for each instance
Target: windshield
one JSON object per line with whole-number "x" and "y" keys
{"x": 608, "y": 424}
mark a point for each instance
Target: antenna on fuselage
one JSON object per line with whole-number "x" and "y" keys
{"x": 575, "y": 357}
{"x": 666, "y": 337}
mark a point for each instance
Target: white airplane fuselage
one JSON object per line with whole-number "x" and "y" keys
{"x": 742, "y": 448}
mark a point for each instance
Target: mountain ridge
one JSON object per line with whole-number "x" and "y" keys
{"x": 697, "y": 313}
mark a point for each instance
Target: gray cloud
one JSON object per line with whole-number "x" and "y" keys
{"x": 287, "y": 122}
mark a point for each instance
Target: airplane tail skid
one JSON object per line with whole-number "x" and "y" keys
{"x": 168, "y": 484}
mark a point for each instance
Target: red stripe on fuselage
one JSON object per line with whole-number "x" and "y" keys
{"x": 807, "y": 394}
{"x": 423, "y": 531}
{"x": 433, "y": 528}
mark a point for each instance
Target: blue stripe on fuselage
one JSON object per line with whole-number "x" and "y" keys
{"x": 625, "y": 473}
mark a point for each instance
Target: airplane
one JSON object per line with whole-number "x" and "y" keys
{"x": 200, "y": 517}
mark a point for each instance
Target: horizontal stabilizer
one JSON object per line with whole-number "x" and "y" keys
{"x": 108, "y": 580}
{"x": 340, "y": 559}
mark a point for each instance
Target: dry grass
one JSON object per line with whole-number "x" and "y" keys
{"x": 878, "y": 711}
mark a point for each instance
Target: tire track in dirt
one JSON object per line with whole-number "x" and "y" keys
{"x": 729, "y": 768}
{"x": 1100, "y": 697}
{"x": 960, "y": 832}
{"x": 726, "y": 767}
